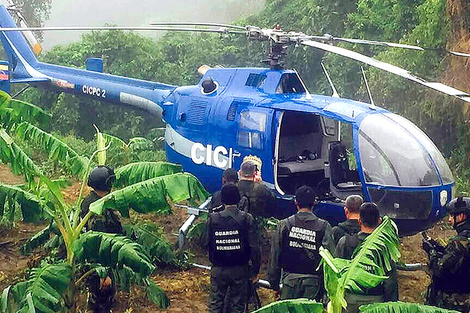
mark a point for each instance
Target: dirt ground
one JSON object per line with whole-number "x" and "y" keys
{"x": 188, "y": 290}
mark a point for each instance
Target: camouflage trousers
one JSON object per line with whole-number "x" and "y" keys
{"x": 453, "y": 301}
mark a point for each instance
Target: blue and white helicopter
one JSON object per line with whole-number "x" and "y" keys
{"x": 267, "y": 112}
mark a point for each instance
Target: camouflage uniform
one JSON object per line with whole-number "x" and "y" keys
{"x": 348, "y": 227}
{"x": 386, "y": 291}
{"x": 261, "y": 199}
{"x": 100, "y": 300}
{"x": 450, "y": 272}
{"x": 300, "y": 277}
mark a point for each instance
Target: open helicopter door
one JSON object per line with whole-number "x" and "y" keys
{"x": 308, "y": 151}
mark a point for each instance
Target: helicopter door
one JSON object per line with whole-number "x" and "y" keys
{"x": 299, "y": 154}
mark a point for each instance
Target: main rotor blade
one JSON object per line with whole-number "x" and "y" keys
{"x": 378, "y": 43}
{"x": 389, "y": 68}
{"x": 197, "y": 24}
{"x": 88, "y": 28}
{"x": 390, "y": 44}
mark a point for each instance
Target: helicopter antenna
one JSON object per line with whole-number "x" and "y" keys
{"x": 335, "y": 93}
{"x": 372, "y": 105}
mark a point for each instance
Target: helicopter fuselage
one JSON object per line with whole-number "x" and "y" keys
{"x": 337, "y": 146}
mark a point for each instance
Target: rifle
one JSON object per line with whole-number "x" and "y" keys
{"x": 431, "y": 246}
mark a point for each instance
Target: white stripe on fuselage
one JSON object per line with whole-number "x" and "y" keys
{"x": 219, "y": 157}
{"x": 31, "y": 70}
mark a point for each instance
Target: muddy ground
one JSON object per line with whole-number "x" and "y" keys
{"x": 188, "y": 290}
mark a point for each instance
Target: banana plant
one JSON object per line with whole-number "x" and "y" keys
{"x": 377, "y": 251}
{"x": 128, "y": 261}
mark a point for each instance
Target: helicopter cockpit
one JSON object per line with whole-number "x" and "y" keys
{"x": 381, "y": 155}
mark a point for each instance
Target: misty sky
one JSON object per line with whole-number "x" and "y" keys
{"x": 138, "y": 13}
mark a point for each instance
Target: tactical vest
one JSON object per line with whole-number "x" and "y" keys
{"x": 301, "y": 243}
{"x": 228, "y": 240}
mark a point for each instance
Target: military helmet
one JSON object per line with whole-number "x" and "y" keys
{"x": 101, "y": 178}
{"x": 459, "y": 205}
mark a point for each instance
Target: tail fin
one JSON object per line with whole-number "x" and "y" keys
{"x": 22, "y": 59}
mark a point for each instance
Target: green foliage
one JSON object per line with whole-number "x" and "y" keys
{"x": 42, "y": 292}
{"x": 292, "y": 306}
{"x": 19, "y": 161}
{"x": 57, "y": 149}
{"x": 154, "y": 242}
{"x": 402, "y": 307}
{"x": 16, "y": 202}
{"x": 376, "y": 252}
{"x": 133, "y": 173}
{"x": 113, "y": 250}
{"x": 151, "y": 195}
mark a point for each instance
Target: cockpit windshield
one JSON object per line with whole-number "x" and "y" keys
{"x": 395, "y": 152}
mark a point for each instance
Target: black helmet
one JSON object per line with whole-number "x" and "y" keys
{"x": 459, "y": 205}
{"x": 101, "y": 178}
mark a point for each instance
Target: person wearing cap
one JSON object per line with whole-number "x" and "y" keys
{"x": 101, "y": 290}
{"x": 369, "y": 219}
{"x": 233, "y": 251}
{"x": 257, "y": 199}
{"x": 351, "y": 225}
{"x": 295, "y": 249}
{"x": 450, "y": 265}
{"x": 229, "y": 176}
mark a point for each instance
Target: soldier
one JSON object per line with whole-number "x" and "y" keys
{"x": 232, "y": 244}
{"x": 351, "y": 225}
{"x": 101, "y": 291}
{"x": 257, "y": 199}
{"x": 450, "y": 265}
{"x": 369, "y": 219}
{"x": 229, "y": 176}
{"x": 295, "y": 249}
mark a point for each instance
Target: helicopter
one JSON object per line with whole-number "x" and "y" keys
{"x": 267, "y": 112}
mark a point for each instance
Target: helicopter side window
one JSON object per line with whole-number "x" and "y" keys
{"x": 290, "y": 83}
{"x": 252, "y": 128}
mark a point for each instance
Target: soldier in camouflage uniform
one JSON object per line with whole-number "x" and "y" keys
{"x": 101, "y": 290}
{"x": 295, "y": 250}
{"x": 450, "y": 265}
{"x": 351, "y": 225}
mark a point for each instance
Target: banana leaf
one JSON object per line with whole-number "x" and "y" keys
{"x": 19, "y": 161}
{"x": 38, "y": 240}
{"x": 402, "y": 307}
{"x": 155, "y": 243}
{"x": 376, "y": 252}
{"x": 101, "y": 145}
{"x": 32, "y": 208}
{"x": 19, "y": 111}
{"x": 157, "y": 295}
{"x": 42, "y": 292}
{"x": 58, "y": 150}
{"x": 151, "y": 195}
{"x": 292, "y": 306}
{"x": 137, "y": 172}
{"x": 112, "y": 250}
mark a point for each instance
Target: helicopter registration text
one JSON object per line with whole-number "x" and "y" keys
{"x": 219, "y": 156}
{"x": 94, "y": 91}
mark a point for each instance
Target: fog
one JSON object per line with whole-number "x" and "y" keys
{"x": 139, "y": 13}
